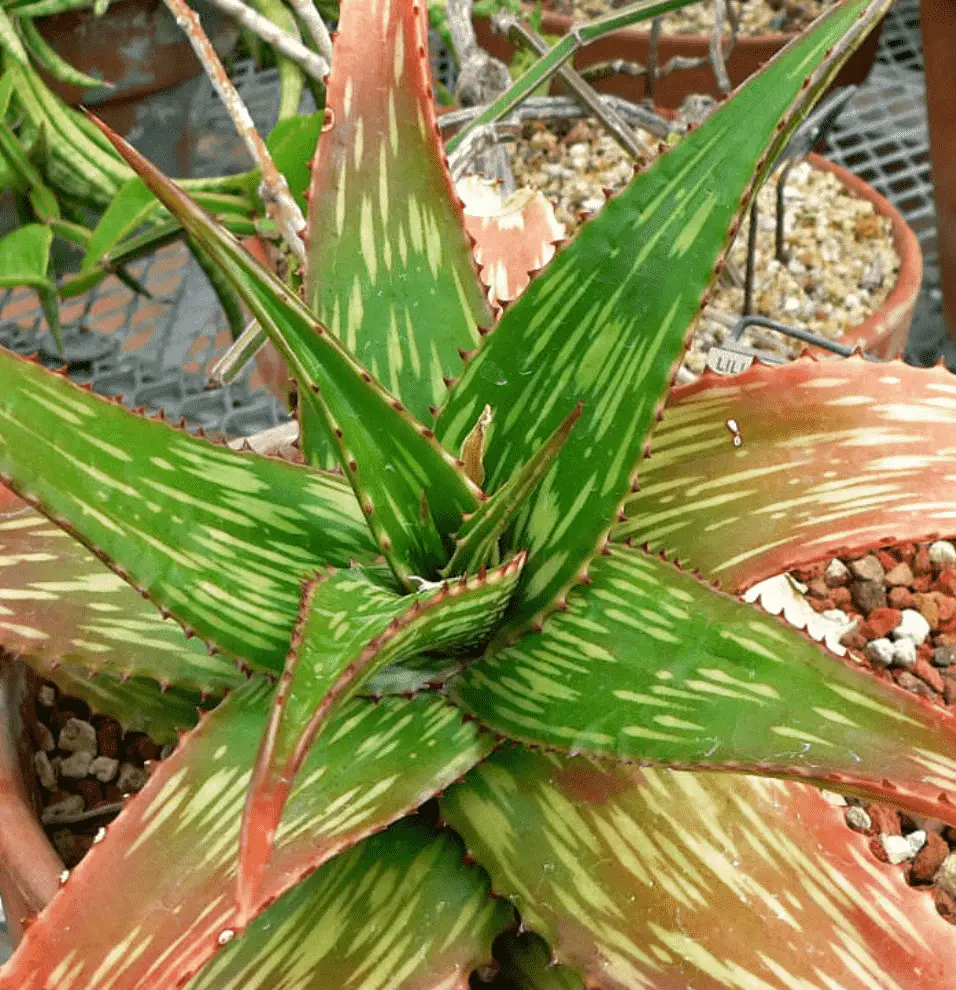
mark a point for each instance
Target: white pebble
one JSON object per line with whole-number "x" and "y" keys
{"x": 879, "y": 652}
{"x": 831, "y": 797}
{"x": 946, "y": 875}
{"x": 66, "y": 808}
{"x": 916, "y": 840}
{"x": 904, "y": 653}
{"x": 131, "y": 778}
{"x": 45, "y": 772}
{"x": 78, "y": 737}
{"x": 46, "y": 696}
{"x": 898, "y": 848}
{"x": 912, "y": 626}
{"x": 858, "y": 818}
{"x": 77, "y": 765}
{"x": 836, "y": 574}
{"x": 104, "y": 768}
{"x": 942, "y": 554}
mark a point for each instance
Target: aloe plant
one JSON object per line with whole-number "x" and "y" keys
{"x": 463, "y": 610}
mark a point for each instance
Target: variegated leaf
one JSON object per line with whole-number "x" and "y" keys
{"x": 669, "y": 880}
{"x": 605, "y": 323}
{"x": 219, "y": 538}
{"x": 833, "y": 456}
{"x": 413, "y": 493}
{"x": 348, "y": 629}
{"x": 650, "y": 664}
{"x": 153, "y": 901}
{"x": 513, "y": 238}
{"x": 390, "y": 268}
{"x": 60, "y": 606}
{"x": 400, "y": 911}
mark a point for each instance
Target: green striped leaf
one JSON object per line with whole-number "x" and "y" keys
{"x": 477, "y": 542}
{"x": 400, "y": 910}
{"x": 132, "y": 207}
{"x": 833, "y": 457}
{"x": 153, "y": 901}
{"x": 347, "y": 630}
{"x": 61, "y": 607}
{"x": 51, "y": 60}
{"x": 412, "y": 492}
{"x": 650, "y": 664}
{"x": 219, "y": 538}
{"x": 644, "y": 878}
{"x": 390, "y": 268}
{"x": 10, "y": 40}
{"x": 606, "y": 322}
{"x": 526, "y": 964}
{"x": 25, "y": 257}
{"x": 291, "y": 77}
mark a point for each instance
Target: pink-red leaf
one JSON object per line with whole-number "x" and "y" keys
{"x": 834, "y": 455}
{"x": 669, "y": 880}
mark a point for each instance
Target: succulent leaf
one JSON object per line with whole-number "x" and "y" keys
{"x": 152, "y": 902}
{"x": 219, "y": 538}
{"x": 650, "y": 664}
{"x": 477, "y": 541}
{"x": 398, "y": 910}
{"x": 606, "y": 321}
{"x": 646, "y": 878}
{"x": 347, "y": 630}
{"x": 833, "y": 456}
{"x": 62, "y": 607}
{"x": 412, "y": 492}
{"x": 390, "y": 269}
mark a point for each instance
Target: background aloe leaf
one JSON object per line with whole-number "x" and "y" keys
{"x": 291, "y": 77}
{"x": 60, "y": 606}
{"x": 25, "y": 256}
{"x": 605, "y": 323}
{"x": 51, "y": 60}
{"x": 133, "y": 206}
{"x": 663, "y": 879}
{"x": 292, "y": 143}
{"x": 219, "y": 538}
{"x": 390, "y": 268}
{"x": 648, "y": 663}
{"x": 136, "y": 922}
{"x": 526, "y": 964}
{"x": 400, "y": 910}
{"x": 412, "y": 491}
{"x": 347, "y": 630}
{"x": 835, "y": 455}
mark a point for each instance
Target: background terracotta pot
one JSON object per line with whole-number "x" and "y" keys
{"x": 884, "y": 332}
{"x": 632, "y": 44}
{"x": 136, "y": 45}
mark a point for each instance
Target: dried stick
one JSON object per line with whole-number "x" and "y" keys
{"x": 311, "y": 64}
{"x": 717, "y": 49}
{"x": 652, "y": 72}
{"x": 274, "y": 189}
{"x": 312, "y": 19}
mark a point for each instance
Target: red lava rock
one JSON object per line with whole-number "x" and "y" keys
{"x": 109, "y": 733}
{"x": 928, "y": 860}
{"x": 58, "y": 719}
{"x": 946, "y": 605}
{"x": 910, "y": 682}
{"x": 886, "y": 559}
{"x": 112, "y": 793}
{"x": 854, "y": 639}
{"x": 949, "y": 691}
{"x": 921, "y": 564}
{"x": 880, "y": 622}
{"x": 820, "y": 604}
{"x": 841, "y": 597}
{"x": 945, "y": 904}
{"x": 905, "y": 551}
{"x": 878, "y": 850}
{"x": 922, "y": 583}
{"x": 57, "y": 796}
{"x": 927, "y": 607}
{"x": 885, "y": 821}
{"x": 929, "y": 675}
{"x": 817, "y": 588}
{"x": 900, "y": 598}
{"x": 139, "y": 748}
{"x": 946, "y": 582}
{"x": 90, "y": 790}
{"x": 868, "y": 595}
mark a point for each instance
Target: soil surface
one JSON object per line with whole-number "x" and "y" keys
{"x": 86, "y": 766}
{"x": 902, "y": 602}
{"x": 756, "y": 16}
{"x": 839, "y": 264}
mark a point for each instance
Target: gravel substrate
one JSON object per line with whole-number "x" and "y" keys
{"x": 756, "y": 16}
{"x": 841, "y": 261}
{"x": 902, "y": 601}
{"x": 85, "y": 765}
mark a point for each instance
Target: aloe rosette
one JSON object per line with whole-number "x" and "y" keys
{"x": 479, "y": 601}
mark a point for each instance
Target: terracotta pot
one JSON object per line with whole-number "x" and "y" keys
{"x": 885, "y": 331}
{"x": 136, "y": 45}
{"x": 631, "y": 45}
